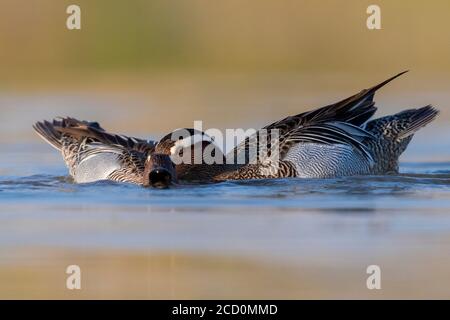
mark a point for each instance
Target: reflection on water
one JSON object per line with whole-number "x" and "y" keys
{"x": 258, "y": 239}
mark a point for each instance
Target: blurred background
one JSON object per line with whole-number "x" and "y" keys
{"x": 146, "y": 67}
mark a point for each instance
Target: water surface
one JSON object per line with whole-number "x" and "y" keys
{"x": 286, "y": 238}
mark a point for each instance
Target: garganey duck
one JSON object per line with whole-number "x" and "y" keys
{"x": 93, "y": 154}
{"x": 333, "y": 141}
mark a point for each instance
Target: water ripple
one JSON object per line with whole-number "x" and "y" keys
{"x": 401, "y": 191}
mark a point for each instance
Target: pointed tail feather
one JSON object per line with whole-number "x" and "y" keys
{"x": 402, "y": 125}
{"x": 416, "y": 119}
{"x": 356, "y": 109}
{"x": 394, "y": 133}
{"x": 360, "y": 107}
{"x": 385, "y": 82}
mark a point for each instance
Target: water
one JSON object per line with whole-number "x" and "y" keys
{"x": 286, "y": 238}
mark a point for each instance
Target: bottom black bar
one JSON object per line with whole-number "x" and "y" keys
{"x": 223, "y": 309}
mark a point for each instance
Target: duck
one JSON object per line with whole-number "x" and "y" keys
{"x": 93, "y": 154}
{"x": 337, "y": 140}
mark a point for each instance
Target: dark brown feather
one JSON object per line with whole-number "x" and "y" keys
{"x": 92, "y": 130}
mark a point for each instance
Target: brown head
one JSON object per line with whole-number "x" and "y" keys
{"x": 195, "y": 155}
{"x": 159, "y": 171}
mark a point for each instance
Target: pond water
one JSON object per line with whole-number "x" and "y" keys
{"x": 286, "y": 238}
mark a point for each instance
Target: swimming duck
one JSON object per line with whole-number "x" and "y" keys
{"x": 93, "y": 154}
{"x": 335, "y": 141}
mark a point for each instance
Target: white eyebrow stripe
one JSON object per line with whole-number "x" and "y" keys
{"x": 189, "y": 141}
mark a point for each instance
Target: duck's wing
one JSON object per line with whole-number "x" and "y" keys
{"x": 260, "y": 146}
{"x": 328, "y": 133}
{"x": 92, "y": 154}
{"x": 92, "y": 130}
{"x": 355, "y": 110}
{"x": 335, "y": 123}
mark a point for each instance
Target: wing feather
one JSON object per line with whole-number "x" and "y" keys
{"x": 338, "y": 123}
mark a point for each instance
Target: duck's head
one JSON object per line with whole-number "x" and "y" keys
{"x": 194, "y": 153}
{"x": 183, "y": 141}
{"x": 163, "y": 165}
{"x": 159, "y": 171}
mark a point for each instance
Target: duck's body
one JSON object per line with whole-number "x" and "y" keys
{"x": 337, "y": 140}
{"x": 333, "y": 141}
{"x": 92, "y": 154}
{"x": 385, "y": 143}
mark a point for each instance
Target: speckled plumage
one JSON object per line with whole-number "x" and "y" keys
{"x": 393, "y": 134}
{"x": 92, "y": 154}
{"x": 334, "y": 141}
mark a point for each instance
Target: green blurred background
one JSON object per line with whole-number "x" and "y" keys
{"x": 146, "y": 67}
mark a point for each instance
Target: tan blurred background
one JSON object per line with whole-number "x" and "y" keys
{"x": 145, "y": 67}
